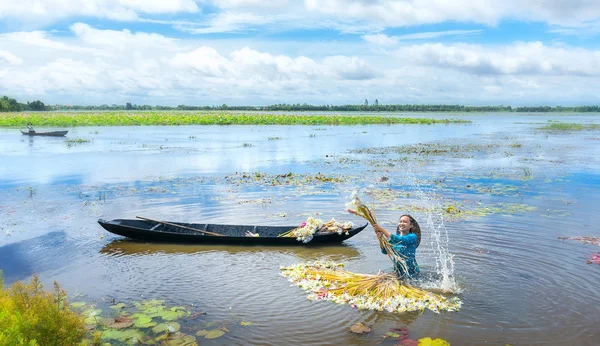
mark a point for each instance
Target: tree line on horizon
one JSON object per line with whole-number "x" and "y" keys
{"x": 8, "y": 104}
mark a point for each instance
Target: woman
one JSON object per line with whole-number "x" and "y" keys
{"x": 405, "y": 242}
{"x": 30, "y": 128}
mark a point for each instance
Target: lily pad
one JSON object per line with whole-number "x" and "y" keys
{"x": 144, "y": 322}
{"x": 77, "y": 305}
{"x": 122, "y": 335}
{"x": 187, "y": 341}
{"x": 360, "y": 328}
{"x": 171, "y": 315}
{"x": 170, "y": 327}
{"x": 213, "y": 334}
{"x": 436, "y": 342}
{"x": 118, "y": 306}
{"x": 121, "y": 322}
{"x": 245, "y": 323}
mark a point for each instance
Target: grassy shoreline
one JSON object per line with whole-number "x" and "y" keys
{"x": 137, "y": 118}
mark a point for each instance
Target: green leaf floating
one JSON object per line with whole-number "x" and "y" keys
{"x": 170, "y": 315}
{"x": 213, "y": 334}
{"x": 171, "y": 327}
{"x": 122, "y": 335}
{"x": 118, "y": 306}
{"x": 144, "y": 322}
{"x": 77, "y": 305}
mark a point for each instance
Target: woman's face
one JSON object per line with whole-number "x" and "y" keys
{"x": 404, "y": 224}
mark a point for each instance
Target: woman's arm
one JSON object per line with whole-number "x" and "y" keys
{"x": 409, "y": 239}
{"x": 379, "y": 229}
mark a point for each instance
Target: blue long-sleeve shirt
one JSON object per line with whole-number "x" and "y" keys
{"x": 407, "y": 247}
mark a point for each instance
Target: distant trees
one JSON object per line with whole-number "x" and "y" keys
{"x": 36, "y": 106}
{"x": 8, "y": 104}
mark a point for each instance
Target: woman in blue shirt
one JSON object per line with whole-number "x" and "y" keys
{"x": 405, "y": 242}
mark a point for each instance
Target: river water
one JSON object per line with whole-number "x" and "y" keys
{"x": 492, "y": 198}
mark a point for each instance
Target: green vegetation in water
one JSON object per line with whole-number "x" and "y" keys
{"x": 200, "y": 118}
{"x": 286, "y": 179}
{"x": 558, "y": 126}
{"x": 462, "y": 211}
{"x": 77, "y": 140}
{"x": 435, "y": 149}
{"x": 31, "y": 316}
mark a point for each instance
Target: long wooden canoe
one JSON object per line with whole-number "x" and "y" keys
{"x": 179, "y": 232}
{"x": 49, "y": 134}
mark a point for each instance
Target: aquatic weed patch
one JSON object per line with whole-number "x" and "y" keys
{"x": 560, "y": 126}
{"x": 436, "y": 149}
{"x": 150, "y": 322}
{"x": 201, "y": 118}
{"x": 285, "y": 179}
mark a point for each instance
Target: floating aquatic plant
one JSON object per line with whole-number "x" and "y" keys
{"x": 584, "y": 239}
{"x": 326, "y": 280}
{"x": 307, "y": 229}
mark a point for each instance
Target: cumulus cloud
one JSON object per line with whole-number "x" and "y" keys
{"x": 47, "y": 11}
{"x": 533, "y": 58}
{"x": 381, "y": 39}
{"x": 7, "y": 57}
{"x": 117, "y": 66}
{"x": 398, "y": 13}
{"x": 343, "y": 15}
{"x": 384, "y": 40}
{"x": 123, "y": 39}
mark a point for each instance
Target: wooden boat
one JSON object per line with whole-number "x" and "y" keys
{"x": 49, "y": 134}
{"x": 179, "y": 232}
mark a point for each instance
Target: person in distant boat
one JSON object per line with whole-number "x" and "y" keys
{"x": 30, "y": 128}
{"x": 405, "y": 242}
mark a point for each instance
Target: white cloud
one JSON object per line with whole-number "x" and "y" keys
{"x": 363, "y": 16}
{"x": 532, "y": 58}
{"x": 398, "y": 13}
{"x": 224, "y": 22}
{"x": 437, "y": 34}
{"x": 385, "y": 40}
{"x": 122, "y": 40}
{"x": 351, "y": 68}
{"x": 7, "y": 57}
{"x": 41, "y": 12}
{"x": 205, "y": 61}
{"x": 111, "y": 66}
{"x": 381, "y": 39}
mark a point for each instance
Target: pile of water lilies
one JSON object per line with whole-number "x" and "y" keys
{"x": 305, "y": 232}
{"x": 327, "y": 280}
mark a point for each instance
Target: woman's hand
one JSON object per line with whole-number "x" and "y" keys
{"x": 380, "y": 231}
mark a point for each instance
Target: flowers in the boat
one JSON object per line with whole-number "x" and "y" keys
{"x": 305, "y": 232}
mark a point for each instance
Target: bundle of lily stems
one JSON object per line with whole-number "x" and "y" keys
{"x": 357, "y": 207}
{"x": 382, "y": 291}
{"x": 329, "y": 281}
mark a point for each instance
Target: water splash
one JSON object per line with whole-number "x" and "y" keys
{"x": 444, "y": 260}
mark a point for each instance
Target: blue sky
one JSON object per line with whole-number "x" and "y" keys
{"x": 253, "y": 52}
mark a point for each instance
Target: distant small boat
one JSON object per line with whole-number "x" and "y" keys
{"x": 51, "y": 134}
